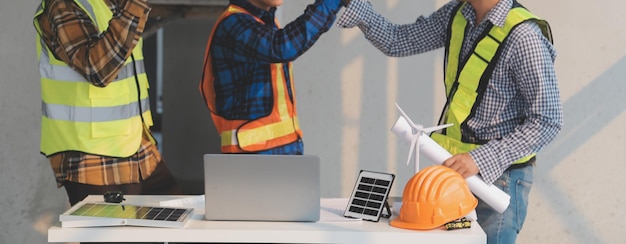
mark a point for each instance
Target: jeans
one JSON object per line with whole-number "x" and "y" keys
{"x": 504, "y": 228}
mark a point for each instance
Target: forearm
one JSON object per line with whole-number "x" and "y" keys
{"x": 497, "y": 155}
{"x": 299, "y": 36}
{"x": 542, "y": 124}
{"x": 250, "y": 40}
{"x": 396, "y": 40}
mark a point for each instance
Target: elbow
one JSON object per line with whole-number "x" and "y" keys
{"x": 388, "y": 52}
{"x": 553, "y": 127}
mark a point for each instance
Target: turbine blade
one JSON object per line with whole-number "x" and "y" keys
{"x": 406, "y": 117}
{"x": 412, "y": 148}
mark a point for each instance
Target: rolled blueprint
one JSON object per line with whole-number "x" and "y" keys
{"x": 491, "y": 194}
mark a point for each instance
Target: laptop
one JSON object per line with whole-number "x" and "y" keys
{"x": 255, "y": 187}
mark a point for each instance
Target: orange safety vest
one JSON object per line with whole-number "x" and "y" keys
{"x": 278, "y": 128}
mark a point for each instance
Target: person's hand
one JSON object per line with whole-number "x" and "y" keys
{"x": 463, "y": 164}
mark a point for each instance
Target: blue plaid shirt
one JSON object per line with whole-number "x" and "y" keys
{"x": 243, "y": 49}
{"x": 521, "y": 111}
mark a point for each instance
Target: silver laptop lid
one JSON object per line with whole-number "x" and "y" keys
{"x": 254, "y": 187}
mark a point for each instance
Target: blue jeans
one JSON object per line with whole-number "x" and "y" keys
{"x": 504, "y": 228}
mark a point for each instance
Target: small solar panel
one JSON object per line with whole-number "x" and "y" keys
{"x": 86, "y": 214}
{"x": 369, "y": 196}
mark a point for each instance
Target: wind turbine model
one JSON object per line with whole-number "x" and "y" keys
{"x": 417, "y": 130}
{"x": 405, "y": 128}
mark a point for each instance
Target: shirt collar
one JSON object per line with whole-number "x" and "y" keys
{"x": 266, "y": 16}
{"x": 497, "y": 15}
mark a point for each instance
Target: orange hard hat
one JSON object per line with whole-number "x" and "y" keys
{"x": 434, "y": 196}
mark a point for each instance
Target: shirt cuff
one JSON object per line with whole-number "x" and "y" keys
{"x": 138, "y": 9}
{"x": 355, "y": 14}
{"x": 490, "y": 172}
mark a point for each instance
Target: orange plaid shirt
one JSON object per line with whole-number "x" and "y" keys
{"x": 73, "y": 38}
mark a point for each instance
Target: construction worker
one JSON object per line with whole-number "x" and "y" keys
{"x": 501, "y": 88}
{"x": 96, "y": 117}
{"x": 247, "y": 81}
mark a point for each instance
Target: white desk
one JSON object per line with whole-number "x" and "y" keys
{"x": 202, "y": 231}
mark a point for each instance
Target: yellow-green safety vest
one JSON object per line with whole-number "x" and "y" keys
{"x": 462, "y": 86}
{"x": 78, "y": 116}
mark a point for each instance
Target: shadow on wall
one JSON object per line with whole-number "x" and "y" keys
{"x": 593, "y": 108}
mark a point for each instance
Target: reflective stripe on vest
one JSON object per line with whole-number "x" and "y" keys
{"x": 279, "y": 128}
{"x": 465, "y": 87}
{"x": 78, "y": 116}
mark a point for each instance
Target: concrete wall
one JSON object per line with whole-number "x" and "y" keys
{"x": 346, "y": 90}
{"x": 29, "y": 199}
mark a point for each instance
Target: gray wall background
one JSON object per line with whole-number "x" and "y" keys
{"x": 346, "y": 90}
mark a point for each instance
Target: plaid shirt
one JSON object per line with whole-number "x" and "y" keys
{"x": 521, "y": 111}
{"x": 69, "y": 32}
{"x": 71, "y": 35}
{"x": 243, "y": 49}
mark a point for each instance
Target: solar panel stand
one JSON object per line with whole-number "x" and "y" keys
{"x": 387, "y": 209}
